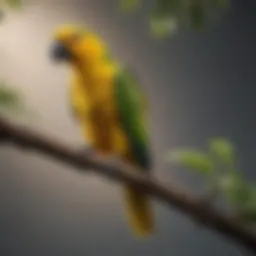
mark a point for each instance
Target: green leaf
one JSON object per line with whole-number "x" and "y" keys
{"x": 12, "y": 101}
{"x": 130, "y": 5}
{"x": 161, "y": 27}
{"x": 223, "y": 149}
{"x": 197, "y": 14}
{"x": 224, "y": 4}
{"x": 1, "y": 15}
{"x": 235, "y": 189}
{"x": 195, "y": 160}
{"x": 248, "y": 216}
{"x": 164, "y": 19}
{"x": 248, "y": 212}
{"x": 252, "y": 201}
{"x": 8, "y": 97}
{"x": 167, "y": 8}
{"x": 15, "y": 4}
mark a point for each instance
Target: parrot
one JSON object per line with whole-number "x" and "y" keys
{"x": 110, "y": 109}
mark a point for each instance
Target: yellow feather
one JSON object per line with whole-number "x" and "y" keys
{"x": 139, "y": 212}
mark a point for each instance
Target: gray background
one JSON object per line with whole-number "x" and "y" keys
{"x": 199, "y": 85}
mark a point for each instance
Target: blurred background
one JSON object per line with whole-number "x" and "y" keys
{"x": 199, "y": 85}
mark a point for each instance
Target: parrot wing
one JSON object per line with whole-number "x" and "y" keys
{"x": 131, "y": 107}
{"x": 77, "y": 100}
{"x": 72, "y": 107}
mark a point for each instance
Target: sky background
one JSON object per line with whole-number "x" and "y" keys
{"x": 199, "y": 86}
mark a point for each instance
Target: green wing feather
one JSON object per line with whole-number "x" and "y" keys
{"x": 131, "y": 105}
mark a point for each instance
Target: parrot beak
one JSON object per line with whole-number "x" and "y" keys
{"x": 59, "y": 52}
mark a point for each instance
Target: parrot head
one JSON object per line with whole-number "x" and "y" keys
{"x": 73, "y": 44}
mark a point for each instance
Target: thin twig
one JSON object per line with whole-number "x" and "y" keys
{"x": 174, "y": 197}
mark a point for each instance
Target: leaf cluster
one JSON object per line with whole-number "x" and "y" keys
{"x": 12, "y": 101}
{"x": 218, "y": 166}
{"x": 169, "y": 15}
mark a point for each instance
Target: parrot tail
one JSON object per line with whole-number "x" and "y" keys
{"x": 139, "y": 212}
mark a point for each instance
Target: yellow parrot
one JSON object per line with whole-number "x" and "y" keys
{"x": 110, "y": 108}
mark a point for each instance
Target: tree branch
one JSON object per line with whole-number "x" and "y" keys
{"x": 207, "y": 215}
